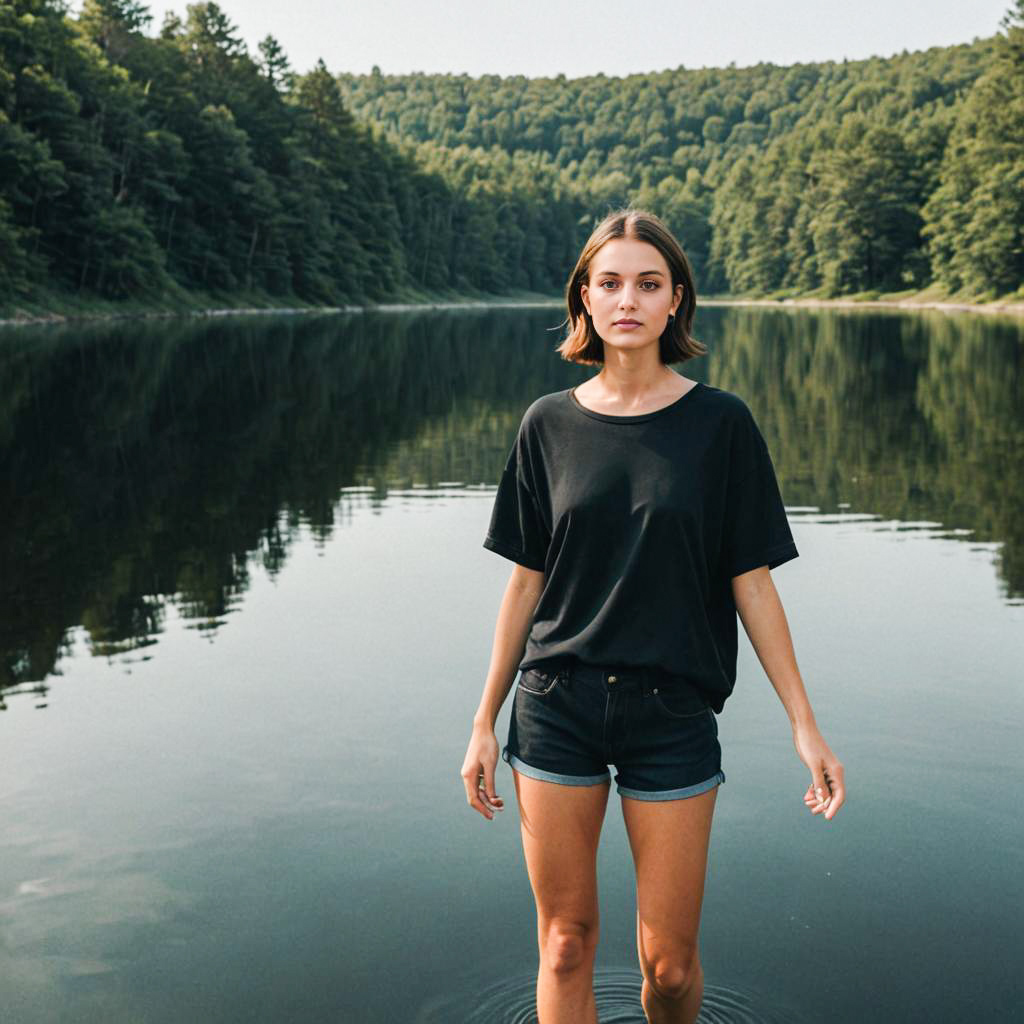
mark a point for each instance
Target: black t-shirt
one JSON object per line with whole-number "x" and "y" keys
{"x": 639, "y": 524}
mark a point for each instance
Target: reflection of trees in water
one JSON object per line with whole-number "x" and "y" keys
{"x": 971, "y": 394}
{"x": 159, "y": 463}
{"x": 911, "y": 417}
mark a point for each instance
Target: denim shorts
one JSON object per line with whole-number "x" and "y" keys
{"x": 569, "y": 721}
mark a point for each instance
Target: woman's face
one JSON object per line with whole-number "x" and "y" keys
{"x": 630, "y": 281}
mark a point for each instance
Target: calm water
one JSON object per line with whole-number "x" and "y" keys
{"x": 245, "y": 616}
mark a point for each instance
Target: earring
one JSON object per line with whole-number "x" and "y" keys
{"x": 671, "y": 317}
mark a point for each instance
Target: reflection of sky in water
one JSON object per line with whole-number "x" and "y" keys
{"x": 267, "y": 822}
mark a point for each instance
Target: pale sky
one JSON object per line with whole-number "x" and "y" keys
{"x": 544, "y": 37}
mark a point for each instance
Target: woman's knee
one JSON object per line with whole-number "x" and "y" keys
{"x": 672, "y": 975}
{"x": 568, "y": 945}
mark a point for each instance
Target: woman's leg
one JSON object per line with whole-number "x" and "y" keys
{"x": 669, "y": 840}
{"x": 561, "y": 826}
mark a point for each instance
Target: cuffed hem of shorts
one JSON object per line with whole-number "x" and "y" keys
{"x": 564, "y": 780}
{"x": 674, "y": 794}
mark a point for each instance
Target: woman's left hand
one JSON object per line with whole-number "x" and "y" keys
{"x": 827, "y": 790}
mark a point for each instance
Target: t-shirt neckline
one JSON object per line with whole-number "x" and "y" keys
{"x": 635, "y": 418}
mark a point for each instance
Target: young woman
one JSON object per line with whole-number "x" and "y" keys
{"x": 643, "y": 513}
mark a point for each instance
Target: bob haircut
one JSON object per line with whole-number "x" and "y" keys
{"x": 583, "y": 344}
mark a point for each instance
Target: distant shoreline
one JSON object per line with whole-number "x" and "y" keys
{"x": 156, "y": 314}
{"x": 1012, "y": 308}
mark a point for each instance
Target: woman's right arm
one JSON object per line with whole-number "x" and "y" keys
{"x": 510, "y": 632}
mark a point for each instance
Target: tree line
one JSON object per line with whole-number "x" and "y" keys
{"x": 135, "y": 166}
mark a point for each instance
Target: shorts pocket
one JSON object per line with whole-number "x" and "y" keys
{"x": 679, "y": 702}
{"x": 539, "y": 681}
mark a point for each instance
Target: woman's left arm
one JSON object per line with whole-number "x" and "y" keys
{"x": 764, "y": 619}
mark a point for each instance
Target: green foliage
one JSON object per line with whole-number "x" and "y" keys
{"x": 975, "y": 217}
{"x": 811, "y": 177}
{"x": 135, "y": 165}
{"x": 867, "y": 226}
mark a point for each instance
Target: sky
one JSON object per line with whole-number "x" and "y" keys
{"x": 540, "y": 38}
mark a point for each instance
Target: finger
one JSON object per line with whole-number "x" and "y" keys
{"x": 486, "y": 781}
{"x": 822, "y": 793}
{"x": 470, "y": 780}
{"x": 833, "y": 774}
{"x": 812, "y": 798}
{"x": 838, "y": 796}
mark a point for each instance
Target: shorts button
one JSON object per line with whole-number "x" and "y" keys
{"x": 655, "y": 689}
{"x": 613, "y": 679}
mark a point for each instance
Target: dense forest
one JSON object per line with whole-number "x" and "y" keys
{"x": 146, "y": 168}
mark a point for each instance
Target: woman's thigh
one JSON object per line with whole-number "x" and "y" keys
{"x": 561, "y": 828}
{"x": 669, "y": 840}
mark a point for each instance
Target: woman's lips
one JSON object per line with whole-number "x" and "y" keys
{"x": 626, "y": 325}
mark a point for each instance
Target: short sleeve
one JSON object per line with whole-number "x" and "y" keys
{"x": 517, "y": 529}
{"x": 757, "y": 530}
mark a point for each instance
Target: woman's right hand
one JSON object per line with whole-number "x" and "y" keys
{"x": 478, "y": 772}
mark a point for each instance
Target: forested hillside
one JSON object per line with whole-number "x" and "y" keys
{"x": 880, "y": 174}
{"x": 137, "y": 167}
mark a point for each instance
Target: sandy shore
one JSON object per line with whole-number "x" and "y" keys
{"x": 1011, "y": 308}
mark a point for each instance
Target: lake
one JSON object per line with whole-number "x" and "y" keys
{"x": 246, "y": 616}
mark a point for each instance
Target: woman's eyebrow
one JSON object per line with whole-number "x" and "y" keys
{"x": 643, "y": 273}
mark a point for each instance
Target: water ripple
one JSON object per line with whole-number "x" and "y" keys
{"x": 617, "y": 991}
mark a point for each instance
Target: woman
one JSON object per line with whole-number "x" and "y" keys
{"x": 642, "y": 511}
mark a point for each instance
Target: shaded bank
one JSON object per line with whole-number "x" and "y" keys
{"x": 56, "y": 313}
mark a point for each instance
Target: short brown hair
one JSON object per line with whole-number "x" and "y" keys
{"x": 583, "y": 344}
